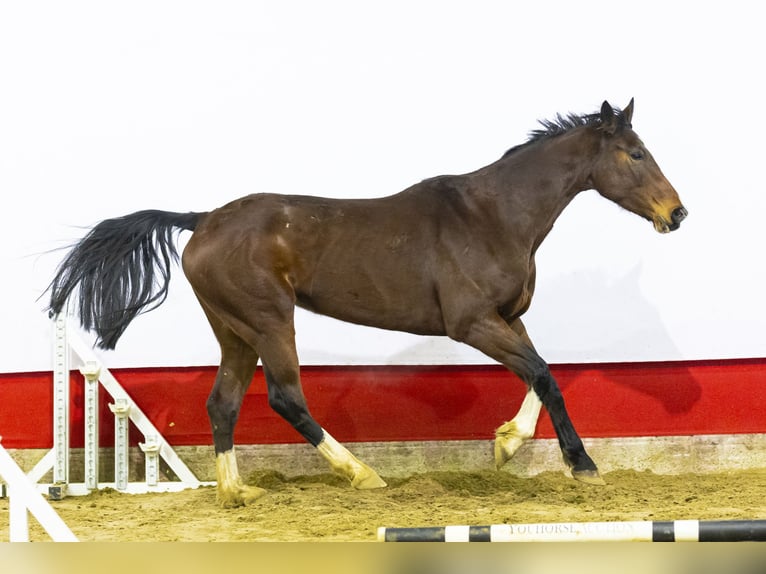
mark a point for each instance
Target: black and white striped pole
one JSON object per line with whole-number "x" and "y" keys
{"x": 631, "y": 531}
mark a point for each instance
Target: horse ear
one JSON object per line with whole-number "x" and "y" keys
{"x": 608, "y": 120}
{"x": 628, "y": 113}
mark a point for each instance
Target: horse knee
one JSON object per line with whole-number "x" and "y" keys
{"x": 539, "y": 378}
{"x": 546, "y": 388}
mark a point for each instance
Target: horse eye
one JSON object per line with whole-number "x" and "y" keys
{"x": 637, "y": 155}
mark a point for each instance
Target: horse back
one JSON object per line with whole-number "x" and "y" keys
{"x": 381, "y": 262}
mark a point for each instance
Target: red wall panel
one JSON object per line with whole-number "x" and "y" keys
{"x": 380, "y": 403}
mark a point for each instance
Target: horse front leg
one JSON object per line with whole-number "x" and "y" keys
{"x": 492, "y": 335}
{"x": 512, "y": 434}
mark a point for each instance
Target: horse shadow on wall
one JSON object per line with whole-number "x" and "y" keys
{"x": 632, "y": 327}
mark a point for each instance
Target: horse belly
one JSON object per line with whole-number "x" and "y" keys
{"x": 356, "y": 297}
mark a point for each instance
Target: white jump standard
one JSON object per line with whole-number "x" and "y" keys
{"x": 25, "y": 499}
{"x": 631, "y": 531}
{"x": 125, "y": 411}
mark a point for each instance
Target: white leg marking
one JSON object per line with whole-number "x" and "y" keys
{"x": 346, "y": 464}
{"x": 510, "y": 436}
{"x": 232, "y": 491}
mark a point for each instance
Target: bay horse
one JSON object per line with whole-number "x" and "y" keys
{"x": 453, "y": 255}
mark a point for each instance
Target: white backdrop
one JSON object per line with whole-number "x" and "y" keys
{"x": 108, "y": 108}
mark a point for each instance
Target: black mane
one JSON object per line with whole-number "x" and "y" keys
{"x": 562, "y": 124}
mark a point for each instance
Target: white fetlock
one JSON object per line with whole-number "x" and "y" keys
{"x": 231, "y": 491}
{"x": 346, "y": 464}
{"x": 510, "y": 436}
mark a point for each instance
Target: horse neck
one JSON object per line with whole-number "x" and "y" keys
{"x": 532, "y": 186}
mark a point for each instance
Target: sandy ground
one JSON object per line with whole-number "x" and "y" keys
{"x": 326, "y": 508}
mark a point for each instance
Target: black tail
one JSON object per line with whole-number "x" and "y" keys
{"x": 122, "y": 269}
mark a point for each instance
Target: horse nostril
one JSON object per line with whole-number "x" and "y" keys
{"x": 679, "y": 214}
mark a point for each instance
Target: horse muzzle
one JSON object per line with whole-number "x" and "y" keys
{"x": 662, "y": 225}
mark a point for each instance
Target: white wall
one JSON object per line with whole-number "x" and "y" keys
{"x": 108, "y": 108}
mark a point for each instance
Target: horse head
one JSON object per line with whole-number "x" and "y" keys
{"x": 626, "y": 173}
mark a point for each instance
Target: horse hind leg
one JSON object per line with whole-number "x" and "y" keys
{"x": 232, "y": 492}
{"x": 287, "y": 399}
{"x": 238, "y": 363}
{"x": 344, "y": 463}
{"x": 223, "y": 407}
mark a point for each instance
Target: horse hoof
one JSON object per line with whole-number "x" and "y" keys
{"x": 588, "y": 477}
{"x": 368, "y": 481}
{"x": 505, "y": 448}
{"x": 243, "y": 496}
